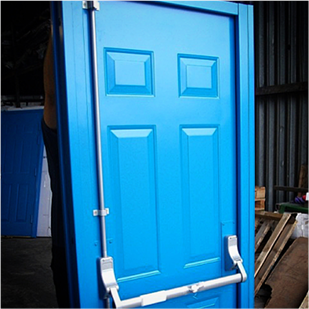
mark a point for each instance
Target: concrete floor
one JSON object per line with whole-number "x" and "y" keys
{"x": 26, "y": 276}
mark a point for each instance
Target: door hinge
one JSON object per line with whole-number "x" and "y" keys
{"x": 95, "y": 5}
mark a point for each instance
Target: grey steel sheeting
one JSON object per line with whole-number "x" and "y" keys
{"x": 281, "y": 51}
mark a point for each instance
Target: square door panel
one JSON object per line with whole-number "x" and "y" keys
{"x": 198, "y": 76}
{"x": 128, "y": 72}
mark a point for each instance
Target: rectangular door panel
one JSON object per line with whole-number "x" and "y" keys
{"x": 200, "y": 169}
{"x": 132, "y": 153}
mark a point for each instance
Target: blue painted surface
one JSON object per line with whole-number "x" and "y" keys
{"x": 245, "y": 129}
{"x": 171, "y": 159}
{"x": 198, "y": 76}
{"x": 222, "y": 7}
{"x": 77, "y": 151}
{"x": 21, "y": 161}
{"x": 129, "y": 72}
{"x": 249, "y": 301}
{"x": 170, "y": 153}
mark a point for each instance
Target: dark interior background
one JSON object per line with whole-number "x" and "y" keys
{"x": 25, "y": 27}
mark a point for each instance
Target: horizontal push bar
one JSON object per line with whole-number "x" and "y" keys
{"x": 233, "y": 260}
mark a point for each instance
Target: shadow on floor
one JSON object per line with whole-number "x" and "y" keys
{"x": 26, "y": 276}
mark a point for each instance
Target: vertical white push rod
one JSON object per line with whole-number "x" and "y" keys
{"x": 97, "y": 127}
{"x": 96, "y": 100}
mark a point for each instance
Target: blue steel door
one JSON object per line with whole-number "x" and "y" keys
{"x": 21, "y": 161}
{"x": 168, "y": 119}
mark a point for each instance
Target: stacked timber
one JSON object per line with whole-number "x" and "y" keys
{"x": 260, "y": 194}
{"x": 281, "y": 263}
{"x": 272, "y": 232}
{"x": 289, "y": 280}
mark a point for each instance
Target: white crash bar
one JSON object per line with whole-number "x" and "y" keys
{"x": 161, "y": 296}
{"x": 233, "y": 260}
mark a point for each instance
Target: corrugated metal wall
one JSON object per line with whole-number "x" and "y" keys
{"x": 281, "y": 68}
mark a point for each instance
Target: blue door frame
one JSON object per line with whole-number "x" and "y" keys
{"x": 77, "y": 144}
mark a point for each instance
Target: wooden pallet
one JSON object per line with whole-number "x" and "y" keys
{"x": 289, "y": 280}
{"x": 272, "y": 232}
{"x": 259, "y": 204}
{"x": 260, "y": 194}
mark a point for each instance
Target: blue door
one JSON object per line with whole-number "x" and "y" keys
{"x": 167, "y": 93}
{"x": 177, "y": 142}
{"x": 21, "y": 161}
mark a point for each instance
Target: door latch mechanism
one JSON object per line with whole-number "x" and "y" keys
{"x": 233, "y": 260}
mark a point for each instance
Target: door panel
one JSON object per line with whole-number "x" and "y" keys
{"x": 133, "y": 167}
{"x": 22, "y": 152}
{"x": 199, "y": 153}
{"x": 167, "y": 93}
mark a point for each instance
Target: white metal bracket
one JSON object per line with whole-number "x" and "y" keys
{"x": 233, "y": 261}
{"x": 100, "y": 213}
{"x": 87, "y": 5}
{"x": 108, "y": 275}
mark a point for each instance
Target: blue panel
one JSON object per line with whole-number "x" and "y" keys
{"x": 6, "y": 200}
{"x": 187, "y": 253}
{"x": 245, "y": 115}
{"x": 133, "y": 161}
{"x": 77, "y": 150}
{"x": 25, "y": 155}
{"x": 128, "y": 72}
{"x": 224, "y": 7}
{"x": 251, "y": 167}
{"x": 22, "y": 147}
{"x": 209, "y": 303}
{"x": 198, "y": 76}
{"x": 200, "y": 190}
{"x": 22, "y": 193}
{"x": 8, "y": 148}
